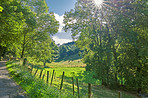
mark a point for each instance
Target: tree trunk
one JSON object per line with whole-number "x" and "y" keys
{"x": 44, "y": 63}
{"x": 115, "y": 63}
{"x": 107, "y": 72}
{"x": 23, "y": 46}
{"x": 1, "y": 52}
{"x": 22, "y": 55}
{"x": 139, "y": 77}
{"x": 121, "y": 78}
{"x": 24, "y": 61}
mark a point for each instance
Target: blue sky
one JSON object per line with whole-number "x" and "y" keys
{"x": 59, "y": 7}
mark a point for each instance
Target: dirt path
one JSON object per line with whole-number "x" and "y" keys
{"x": 8, "y": 88}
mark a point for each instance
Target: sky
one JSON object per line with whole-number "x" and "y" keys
{"x": 59, "y": 7}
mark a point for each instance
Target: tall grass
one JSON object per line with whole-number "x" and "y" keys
{"x": 34, "y": 87}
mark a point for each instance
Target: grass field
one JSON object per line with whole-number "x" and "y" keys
{"x": 68, "y": 63}
{"x": 76, "y": 69}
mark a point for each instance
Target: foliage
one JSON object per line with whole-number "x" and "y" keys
{"x": 37, "y": 88}
{"x": 67, "y": 50}
{"x": 114, "y": 39}
{"x": 34, "y": 87}
{"x": 44, "y": 51}
{"x": 84, "y": 77}
{"x": 1, "y": 9}
{"x": 12, "y": 22}
{"x": 26, "y": 27}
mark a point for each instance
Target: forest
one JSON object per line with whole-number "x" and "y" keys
{"x": 111, "y": 39}
{"x": 114, "y": 39}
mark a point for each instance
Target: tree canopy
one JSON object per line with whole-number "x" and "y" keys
{"x": 114, "y": 39}
{"x": 26, "y": 27}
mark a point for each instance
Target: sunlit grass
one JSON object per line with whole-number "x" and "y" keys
{"x": 37, "y": 88}
{"x": 84, "y": 77}
{"x": 34, "y": 87}
{"x": 70, "y": 63}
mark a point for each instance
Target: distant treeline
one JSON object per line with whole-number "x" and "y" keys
{"x": 69, "y": 50}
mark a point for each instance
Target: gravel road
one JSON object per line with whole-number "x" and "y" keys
{"x": 8, "y": 88}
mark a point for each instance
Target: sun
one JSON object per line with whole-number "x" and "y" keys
{"x": 98, "y": 2}
{"x": 95, "y": 6}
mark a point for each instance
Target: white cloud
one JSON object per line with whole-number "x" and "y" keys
{"x": 60, "y": 19}
{"x": 60, "y": 40}
{"x": 61, "y": 37}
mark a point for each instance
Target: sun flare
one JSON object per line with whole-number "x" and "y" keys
{"x": 98, "y": 2}
{"x": 94, "y": 5}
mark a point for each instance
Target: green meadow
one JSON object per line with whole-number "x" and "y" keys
{"x": 76, "y": 70}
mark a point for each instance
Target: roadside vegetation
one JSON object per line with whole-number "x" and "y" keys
{"x": 36, "y": 87}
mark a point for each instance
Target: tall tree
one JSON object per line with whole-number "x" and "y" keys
{"x": 26, "y": 23}
{"x": 43, "y": 51}
{"x": 45, "y": 23}
{"x": 114, "y": 40}
{"x": 12, "y": 22}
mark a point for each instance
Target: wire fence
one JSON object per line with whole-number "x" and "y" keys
{"x": 73, "y": 86}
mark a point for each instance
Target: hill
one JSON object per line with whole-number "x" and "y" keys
{"x": 69, "y": 51}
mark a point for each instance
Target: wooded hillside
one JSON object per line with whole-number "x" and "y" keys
{"x": 69, "y": 51}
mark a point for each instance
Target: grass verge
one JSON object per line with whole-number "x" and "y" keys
{"x": 34, "y": 87}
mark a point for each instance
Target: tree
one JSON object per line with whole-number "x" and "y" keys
{"x": 114, "y": 40}
{"x": 37, "y": 26}
{"x": 134, "y": 55}
{"x": 46, "y": 23}
{"x": 27, "y": 25}
{"x": 12, "y": 22}
{"x": 43, "y": 51}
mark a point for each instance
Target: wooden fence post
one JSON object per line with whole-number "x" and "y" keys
{"x": 36, "y": 72}
{"x": 50, "y": 74}
{"x": 73, "y": 86}
{"x": 89, "y": 90}
{"x": 47, "y": 76}
{"x": 44, "y": 75}
{"x": 119, "y": 94}
{"x": 41, "y": 73}
{"x": 78, "y": 88}
{"x": 62, "y": 81}
{"x": 52, "y": 77}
